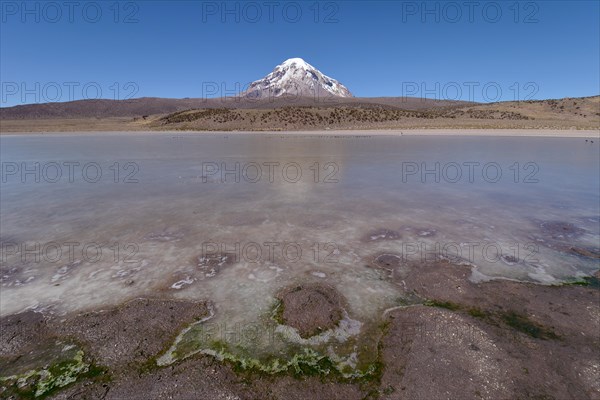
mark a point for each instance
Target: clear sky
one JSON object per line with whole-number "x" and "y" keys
{"x": 53, "y": 51}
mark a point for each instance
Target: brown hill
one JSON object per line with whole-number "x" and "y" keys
{"x": 146, "y": 106}
{"x": 581, "y": 113}
{"x": 298, "y": 114}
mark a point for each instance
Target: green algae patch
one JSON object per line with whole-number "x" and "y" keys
{"x": 511, "y": 319}
{"x": 523, "y": 324}
{"x": 478, "y": 313}
{"x": 448, "y": 305}
{"x": 587, "y": 281}
{"x": 267, "y": 346}
{"x": 306, "y": 363}
{"x": 39, "y": 383}
{"x": 297, "y": 360}
{"x": 277, "y": 312}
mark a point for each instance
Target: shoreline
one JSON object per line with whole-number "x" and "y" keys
{"x": 562, "y": 133}
{"x": 490, "y": 323}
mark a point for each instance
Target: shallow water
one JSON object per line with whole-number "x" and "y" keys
{"x": 155, "y": 228}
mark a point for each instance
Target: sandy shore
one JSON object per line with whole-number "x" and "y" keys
{"x": 407, "y": 132}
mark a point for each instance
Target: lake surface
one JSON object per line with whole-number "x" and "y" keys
{"x": 95, "y": 219}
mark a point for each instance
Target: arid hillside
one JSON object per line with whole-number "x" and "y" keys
{"x": 564, "y": 114}
{"x": 146, "y": 106}
{"x": 301, "y": 114}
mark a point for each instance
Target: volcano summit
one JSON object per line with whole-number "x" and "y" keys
{"x": 296, "y": 77}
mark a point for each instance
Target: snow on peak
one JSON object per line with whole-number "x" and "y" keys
{"x": 297, "y": 61}
{"x": 296, "y": 77}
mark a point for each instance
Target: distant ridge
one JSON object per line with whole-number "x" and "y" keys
{"x": 105, "y": 108}
{"x": 298, "y": 114}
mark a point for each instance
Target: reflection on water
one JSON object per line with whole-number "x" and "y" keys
{"x": 235, "y": 219}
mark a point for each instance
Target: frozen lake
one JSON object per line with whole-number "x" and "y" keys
{"x": 95, "y": 219}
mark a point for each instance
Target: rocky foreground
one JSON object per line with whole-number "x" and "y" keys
{"x": 459, "y": 340}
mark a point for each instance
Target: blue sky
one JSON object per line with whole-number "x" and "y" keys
{"x": 539, "y": 49}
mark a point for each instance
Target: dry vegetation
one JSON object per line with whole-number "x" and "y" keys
{"x": 562, "y": 114}
{"x": 568, "y": 113}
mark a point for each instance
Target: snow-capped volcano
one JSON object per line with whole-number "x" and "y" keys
{"x": 296, "y": 77}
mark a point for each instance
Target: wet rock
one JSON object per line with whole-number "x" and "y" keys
{"x": 497, "y": 358}
{"x": 132, "y": 333}
{"x": 18, "y": 331}
{"x": 388, "y": 261}
{"x": 195, "y": 378}
{"x": 440, "y": 354}
{"x": 288, "y": 388}
{"x": 583, "y": 252}
{"x": 395, "y": 266}
{"x": 50, "y": 365}
{"x": 558, "y": 307}
{"x": 311, "y": 309}
{"x": 561, "y": 230}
